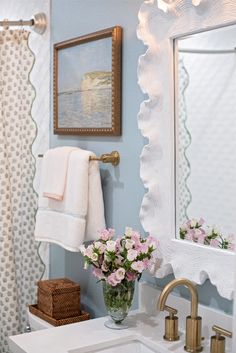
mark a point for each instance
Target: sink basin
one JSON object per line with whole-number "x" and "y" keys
{"x": 124, "y": 345}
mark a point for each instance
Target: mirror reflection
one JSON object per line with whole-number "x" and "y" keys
{"x": 205, "y": 135}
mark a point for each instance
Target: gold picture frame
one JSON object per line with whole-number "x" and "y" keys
{"x": 87, "y": 84}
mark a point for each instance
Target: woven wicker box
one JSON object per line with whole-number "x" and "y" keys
{"x": 59, "y": 298}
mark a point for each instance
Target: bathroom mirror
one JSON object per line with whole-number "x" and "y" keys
{"x": 205, "y": 130}
{"x": 164, "y": 27}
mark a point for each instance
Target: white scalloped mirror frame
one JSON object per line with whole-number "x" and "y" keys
{"x": 156, "y": 122}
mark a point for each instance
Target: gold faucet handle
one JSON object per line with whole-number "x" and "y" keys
{"x": 218, "y": 341}
{"x": 171, "y": 324}
{"x": 221, "y": 331}
{"x": 172, "y": 311}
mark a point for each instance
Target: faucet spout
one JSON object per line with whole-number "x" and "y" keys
{"x": 178, "y": 282}
{"x": 193, "y": 322}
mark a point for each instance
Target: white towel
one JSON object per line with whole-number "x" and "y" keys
{"x": 56, "y": 161}
{"x": 80, "y": 214}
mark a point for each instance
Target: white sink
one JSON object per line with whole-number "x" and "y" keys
{"x": 126, "y": 345}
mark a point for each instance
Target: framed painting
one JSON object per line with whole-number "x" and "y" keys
{"x": 87, "y": 84}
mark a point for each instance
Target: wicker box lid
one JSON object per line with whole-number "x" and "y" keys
{"x": 58, "y": 286}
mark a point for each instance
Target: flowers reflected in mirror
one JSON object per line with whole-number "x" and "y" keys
{"x": 198, "y": 231}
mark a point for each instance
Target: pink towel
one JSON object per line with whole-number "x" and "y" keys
{"x": 54, "y": 172}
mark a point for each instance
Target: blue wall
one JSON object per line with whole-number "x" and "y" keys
{"x": 123, "y": 190}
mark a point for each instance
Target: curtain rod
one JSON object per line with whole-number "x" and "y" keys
{"x": 206, "y": 51}
{"x": 38, "y": 23}
{"x": 6, "y": 23}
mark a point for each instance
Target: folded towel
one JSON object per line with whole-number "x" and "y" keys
{"x": 80, "y": 214}
{"x": 55, "y": 163}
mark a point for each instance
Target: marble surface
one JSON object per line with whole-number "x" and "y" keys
{"x": 146, "y": 323}
{"x": 93, "y": 332}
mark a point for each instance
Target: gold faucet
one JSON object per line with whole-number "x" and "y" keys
{"x": 193, "y": 322}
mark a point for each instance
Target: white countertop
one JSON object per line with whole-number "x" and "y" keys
{"x": 147, "y": 323}
{"x": 83, "y": 334}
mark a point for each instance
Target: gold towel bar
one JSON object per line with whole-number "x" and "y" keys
{"x": 113, "y": 158}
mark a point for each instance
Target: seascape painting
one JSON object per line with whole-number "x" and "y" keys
{"x": 85, "y": 85}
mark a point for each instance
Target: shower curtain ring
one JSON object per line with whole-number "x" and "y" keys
{"x": 21, "y": 24}
{"x": 5, "y": 24}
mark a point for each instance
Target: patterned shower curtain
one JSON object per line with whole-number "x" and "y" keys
{"x": 20, "y": 265}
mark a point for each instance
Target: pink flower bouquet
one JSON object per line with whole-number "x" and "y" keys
{"x": 119, "y": 260}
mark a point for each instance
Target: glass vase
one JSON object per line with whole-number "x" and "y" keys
{"x": 118, "y": 300}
